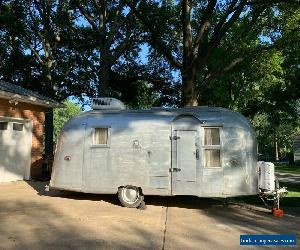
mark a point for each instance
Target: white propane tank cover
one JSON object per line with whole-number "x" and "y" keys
{"x": 107, "y": 103}
{"x": 266, "y": 175}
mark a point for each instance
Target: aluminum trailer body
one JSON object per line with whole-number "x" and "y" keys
{"x": 200, "y": 151}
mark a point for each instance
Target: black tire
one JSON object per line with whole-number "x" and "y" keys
{"x": 142, "y": 206}
{"x": 130, "y": 196}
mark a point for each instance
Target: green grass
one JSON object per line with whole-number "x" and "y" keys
{"x": 292, "y": 199}
{"x": 287, "y": 169}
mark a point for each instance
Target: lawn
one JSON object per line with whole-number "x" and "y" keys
{"x": 292, "y": 199}
{"x": 287, "y": 168}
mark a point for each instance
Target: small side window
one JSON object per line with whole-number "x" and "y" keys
{"x": 18, "y": 126}
{"x": 212, "y": 158}
{"x": 100, "y": 136}
{"x": 212, "y": 147}
{"x": 212, "y": 136}
{"x": 3, "y": 125}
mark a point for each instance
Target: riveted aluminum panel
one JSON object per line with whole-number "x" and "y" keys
{"x": 69, "y": 156}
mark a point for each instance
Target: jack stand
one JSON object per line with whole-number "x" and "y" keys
{"x": 277, "y": 212}
{"x": 225, "y": 202}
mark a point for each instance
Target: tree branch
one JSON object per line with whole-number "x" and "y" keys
{"x": 116, "y": 22}
{"x": 117, "y": 52}
{"x": 204, "y": 26}
{"x": 163, "y": 48}
{"x": 223, "y": 19}
{"x": 270, "y": 2}
{"x": 219, "y": 72}
{"x": 101, "y": 9}
{"x": 187, "y": 31}
{"x": 87, "y": 16}
{"x": 35, "y": 53}
{"x": 155, "y": 41}
{"x": 223, "y": 70}
{"x": 219, "y": 34}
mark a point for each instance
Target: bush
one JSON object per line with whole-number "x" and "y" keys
{"x": 62, "y": 115}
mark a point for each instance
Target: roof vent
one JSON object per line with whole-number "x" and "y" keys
{"x": 107, "y": 103}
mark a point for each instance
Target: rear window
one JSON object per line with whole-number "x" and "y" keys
{"x": 18, "y": 126}
{"x": 100, "y": 136}
{"x": 3, "y": 125}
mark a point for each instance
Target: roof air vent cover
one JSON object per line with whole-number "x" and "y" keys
{"x": 107, "y": 103}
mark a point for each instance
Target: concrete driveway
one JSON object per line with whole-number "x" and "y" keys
{"x": 32, "y": 219}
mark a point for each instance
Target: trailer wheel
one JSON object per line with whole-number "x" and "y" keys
{"x": 130, "y": 196}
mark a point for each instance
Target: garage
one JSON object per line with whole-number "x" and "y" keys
{"x": 25, "y": 132}
{"x": 15, "y": 149}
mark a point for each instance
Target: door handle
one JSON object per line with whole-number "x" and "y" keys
{"x": 175, "y": 169}
{"x": 197, "y": 154}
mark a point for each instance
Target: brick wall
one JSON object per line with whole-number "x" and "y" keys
{"x": 37, "y": 115}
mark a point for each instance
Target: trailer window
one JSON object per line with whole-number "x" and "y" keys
{"x": 18, "y": 126}
{"x": 3, "y": 125}
{"x": 212, "y": 147}
{"x": 212, "y": 158}
{"x": 212, "y": 136}
{"x": 100, "y": 136}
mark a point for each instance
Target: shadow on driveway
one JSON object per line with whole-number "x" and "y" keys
{"x": 67, "y": 220}
{"x": 187, "y": 202}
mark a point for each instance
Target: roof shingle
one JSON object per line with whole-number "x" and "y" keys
{"x": 12, "y": 90}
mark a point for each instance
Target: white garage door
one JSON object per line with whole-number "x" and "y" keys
{"x": 15, "y": 149}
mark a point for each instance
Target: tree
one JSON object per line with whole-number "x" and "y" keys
{"x": 282, "y": 117}
{"x": 61, "y": 48}
{"x": 111, "y": 38}
{"x": 112, "y": 34}
{"x": 264, "y": 87}
{"x": 189, "y": 34}
{"x": 62, "y": 115}
{"x": 41, "y": 54}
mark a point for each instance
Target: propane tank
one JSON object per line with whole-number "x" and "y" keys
{"x": 266, "y": 176}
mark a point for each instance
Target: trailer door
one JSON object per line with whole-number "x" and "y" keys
{"x": 186, "y": 151}
{"x": 185, "y": 155}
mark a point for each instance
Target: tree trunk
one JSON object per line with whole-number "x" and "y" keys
{"x": 276, "y": 148}
{"x": 48, "y": 69}
{"x": 188, "y": 71}
{"x": 189, "y": 97}
{"x": 104, "y": 77}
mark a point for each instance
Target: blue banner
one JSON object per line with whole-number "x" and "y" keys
{"x": 268, "y": 240}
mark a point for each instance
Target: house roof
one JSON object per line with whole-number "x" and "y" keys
{"x": 19, "y": 94}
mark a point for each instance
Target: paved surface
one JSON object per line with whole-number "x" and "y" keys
{"x": 288, "y": 177}
{"x": 32, "y": 219}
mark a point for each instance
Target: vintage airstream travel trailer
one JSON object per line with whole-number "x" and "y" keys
{"x": 200, "y": 151}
